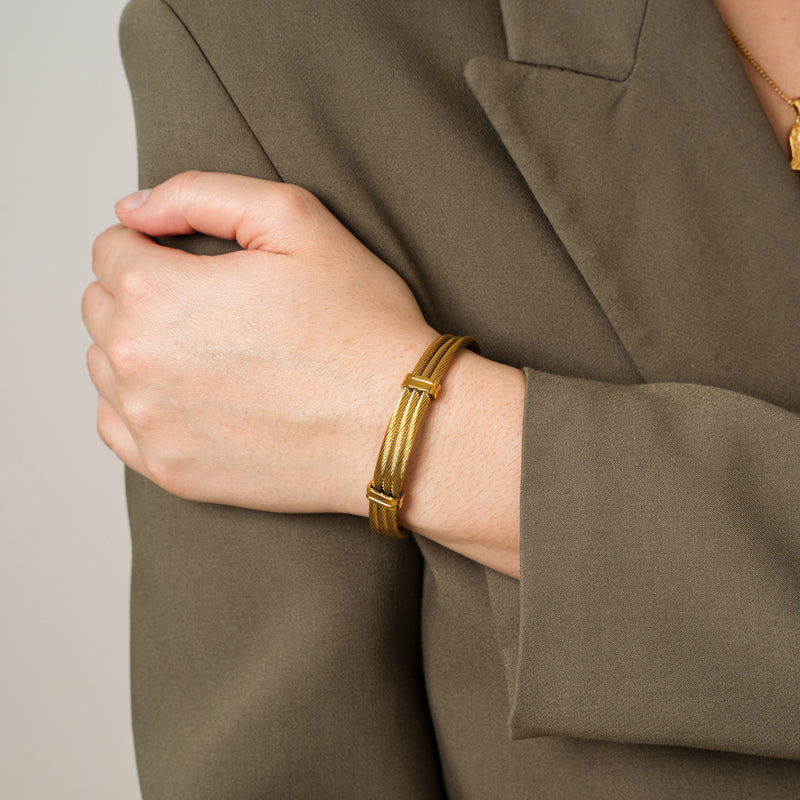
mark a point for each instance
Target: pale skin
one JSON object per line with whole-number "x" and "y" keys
{"x": 265, "y": 378}
{"x": 771, "y": 32}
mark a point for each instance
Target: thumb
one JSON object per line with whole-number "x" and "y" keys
{"x": 258, "y": 214}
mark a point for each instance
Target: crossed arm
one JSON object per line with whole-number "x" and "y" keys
{"x": 265, "y": 378}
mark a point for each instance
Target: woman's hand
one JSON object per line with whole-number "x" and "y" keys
{"x": 263, "y": 378}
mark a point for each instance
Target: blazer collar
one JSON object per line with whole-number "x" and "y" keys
{"x": 597, "y": 38}
{"x": 642, "y": 140}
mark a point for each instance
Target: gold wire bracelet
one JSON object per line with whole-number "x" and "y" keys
{"x": 420, "y": 387}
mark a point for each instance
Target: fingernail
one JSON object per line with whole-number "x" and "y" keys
{"x": 133, "y": 201}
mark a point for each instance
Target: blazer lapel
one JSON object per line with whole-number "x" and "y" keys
{"x": 642, "y": 140}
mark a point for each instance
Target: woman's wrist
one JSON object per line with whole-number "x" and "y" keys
{"x": 464, "y": 477}
{"x": 462, "y": 483}
{"x": 383, "y": 372}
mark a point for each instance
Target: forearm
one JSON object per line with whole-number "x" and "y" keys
{"x": 463, "y": 483}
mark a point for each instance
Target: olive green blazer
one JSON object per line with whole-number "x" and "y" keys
{"x": 591, "y": 189}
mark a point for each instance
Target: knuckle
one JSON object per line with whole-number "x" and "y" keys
{"x": 92, "y": 359}
{"x": 169, "y": 470}
{"x": 135, "y": 286}
{"x": 99, "y": 248}
{"x": 86, "y": 302}
{"x": 138, "y": 414}
{"x": 102, "y": 431}
{"x": 188, "y": 176}
{"x": 184, "y": 183}
{"x": 169, "y": 477}
{"x": 91, "y": 295}
{"x": 293, "y": 203}
{"x": 127, "y": 356}
{"x": 102, "y": 244}
{"x": 104, "y": 425}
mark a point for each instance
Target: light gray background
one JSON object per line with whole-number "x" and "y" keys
{"x": 66, "y": 135}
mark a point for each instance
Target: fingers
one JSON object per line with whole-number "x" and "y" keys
{"x": 110, "y": 426}
{"x": 112, "y": 430}
{"x": 97, "y": 308}
{"x": 259, "y": 214}
{"x": 103, "y": 377}
{"x": 121, "y": 251}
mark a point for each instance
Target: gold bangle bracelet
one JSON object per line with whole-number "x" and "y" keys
{"x": 385, "y": 491}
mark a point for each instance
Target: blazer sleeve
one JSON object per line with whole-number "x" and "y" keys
{"x": 659, "y": 599}
{"x": 261, "y": 664}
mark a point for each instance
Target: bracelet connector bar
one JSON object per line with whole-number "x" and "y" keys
{"x": 386, "y": 500}
{"x": 419, "y": 388}
{"x": 413, "y": 381}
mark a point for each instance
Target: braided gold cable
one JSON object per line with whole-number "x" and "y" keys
{"x": 396, "y": 447}
{"x": 385, "y": 492}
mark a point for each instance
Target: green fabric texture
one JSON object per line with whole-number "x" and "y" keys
{"x": 592, "y": 191}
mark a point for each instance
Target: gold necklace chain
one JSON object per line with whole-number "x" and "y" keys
{"x": 794, "y": 136}
{"x": 749, "y": 56}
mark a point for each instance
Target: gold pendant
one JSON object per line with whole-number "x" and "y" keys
{"x": 794, "y": 136}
